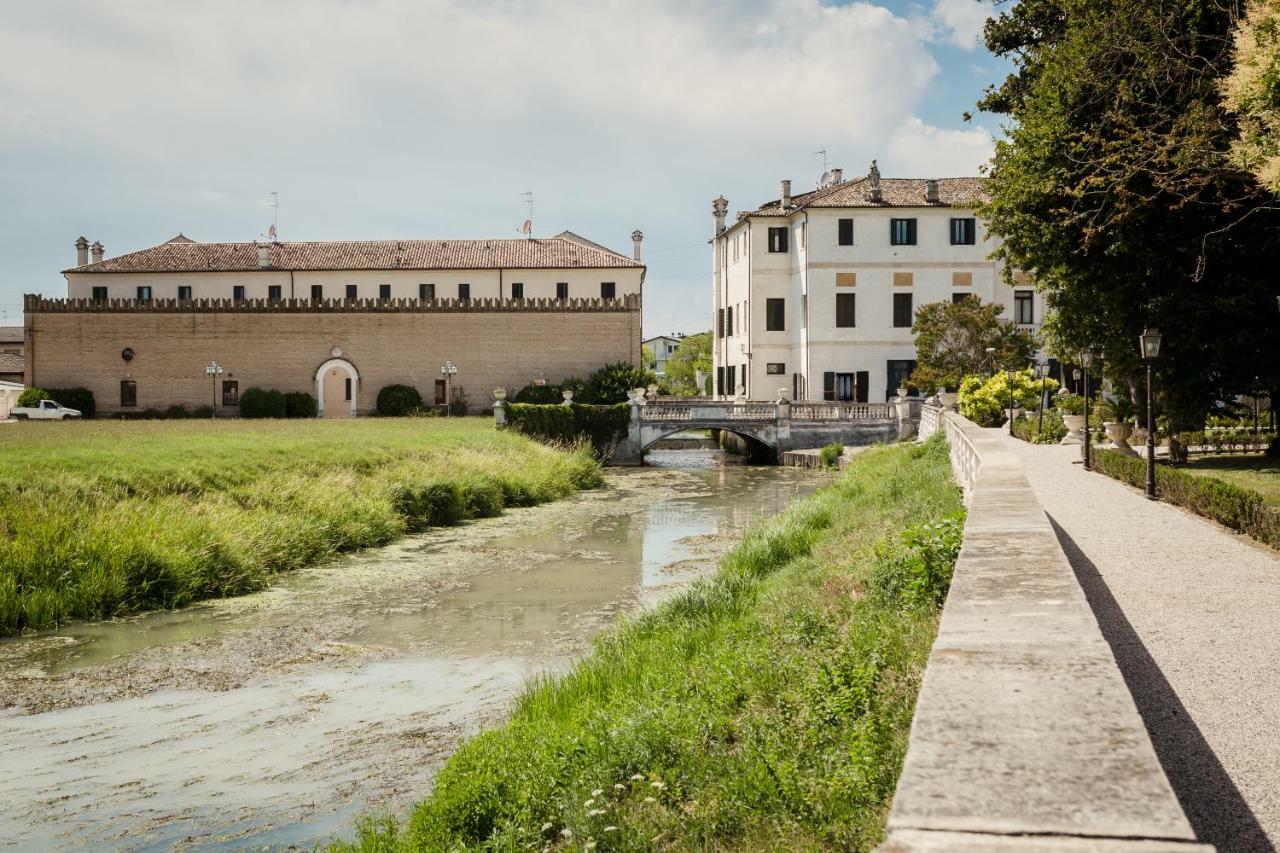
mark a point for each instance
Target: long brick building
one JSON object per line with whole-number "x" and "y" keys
{"x": 339, "y": 320}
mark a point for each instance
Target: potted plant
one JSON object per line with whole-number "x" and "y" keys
{"x": 948, "y": 398}
{"x": 1072, "y": 408}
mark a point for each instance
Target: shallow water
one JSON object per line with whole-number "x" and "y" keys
{"x": 276, "y": 718}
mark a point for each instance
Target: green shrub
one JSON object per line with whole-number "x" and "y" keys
{"x": 300, "y": 404}
{"x": 176, "y": 412}
{"x": 603, "y": 426}
{"x": 610, "y": 384}
{"x": 831, "y": 454}
{"x": 260, "y": 403}
{"x": 202, "y": 412}
{"x": 1051, "y": 428}
{"x": 398, "y": 400}
{"x": 1228, "y": 504}
{"x": 32, "y": 397}
{"x": 1069, "y": 404}
{"x": 75, "y": 398}
{"x": 919, "y": 574}
{"x": 985, "y": 400}
{"x": 538, "y": 395}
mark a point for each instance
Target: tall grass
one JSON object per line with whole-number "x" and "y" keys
{"x": 768, "y": 707}
{"x": 105, "y": 518}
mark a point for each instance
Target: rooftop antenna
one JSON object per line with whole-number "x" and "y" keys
{"x": 270, "y": 236}
{"x": 826, "y": 175}
{"x": 527, "y": 228}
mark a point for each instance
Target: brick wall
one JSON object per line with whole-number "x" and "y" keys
{"x": 284, "y": 349}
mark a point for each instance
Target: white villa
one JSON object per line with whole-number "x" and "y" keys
{"x": 663, "y": 347}
{"x": 816, "y": 292}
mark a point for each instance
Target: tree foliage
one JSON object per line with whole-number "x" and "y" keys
{"x": 693, "y": 354}
{"x": 1252, "y": 92}
{"x": 952, "y": 340}
{"x": 1115, "y": 189}
{"x": 984, "y": 400}
{"x": 610, "y": 383}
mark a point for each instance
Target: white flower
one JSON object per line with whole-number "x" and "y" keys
{"x": 637, "y": 778}
{"x": 567, "y": 832}
{"x": 597, "y": 792}
{"x": 546, "y": 827}
{"x": 595, "y": 812}
{"x": 589, "y": 803}
{"x": 619, "y": 787}
{"x": 650, "y": 800}
{"x": 590, "y": 845}
{"x": 657, "y": 785}
{"x": 611, "y": 829}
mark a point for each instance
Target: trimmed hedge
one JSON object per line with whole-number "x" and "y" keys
{"x": 75, "y": 398}
{"x": 1052, "y": 431}
{"x": 538, "y": 395}
{"x": 261, "y": 403}
{"x": 1228, "y": 504}
{"x": 398, "y": 400}
{"x": 604, "y": 426}
{"x": 300, "y": 404}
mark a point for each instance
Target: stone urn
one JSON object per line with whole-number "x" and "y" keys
{"x": 1075, "y": 429}
{"x": 499, "y": 394}
{"x": 567, "y": 393}
{"x": 1119, "y": 433}
{"x": 902, "y": 392}
{"x": 948, "y": 399}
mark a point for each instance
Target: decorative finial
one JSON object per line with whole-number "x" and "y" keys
{"x": 873, "y": 183}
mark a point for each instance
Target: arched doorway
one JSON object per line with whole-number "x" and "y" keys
{"x": 337, "y": 389}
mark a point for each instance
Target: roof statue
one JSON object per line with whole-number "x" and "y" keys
{"x": 873, "y": 183}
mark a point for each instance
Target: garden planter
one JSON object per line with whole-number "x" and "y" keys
{"x": 1075, "y": 429}
{"x": 1119, "y": 434}
{"x": 948, "y": 399}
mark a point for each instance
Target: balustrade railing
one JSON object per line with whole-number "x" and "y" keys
{"x": 733, "y": 411}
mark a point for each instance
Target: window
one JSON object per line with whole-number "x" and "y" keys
{"x": 230, "y": 392}
{"x": 845, "y": 232}
{"x": 845, "y": 311}
{"x": 846, "y": 387}
{"x": 237, "y": 293}
{"x": 184, "y": 292}
{"x": 829, "y": 385}
{"x": 347, "y": 388}
{"x": 608, "y": 289}
{"x": 719, "y": 322}
{"x": 317, "y": 293}
{"x": 728, "y": 322}
{"x": 775, "y": 315}
{"x": 898, "y": 372}
{"x": 1024, "y": 307}
{"x": 902, "y": 232}
{"x": 144, "y": 294}
{"x": 963, "y": 232}
{"x": 731, "y": 376}
{"x": 352, "y": 293}
{"x": 720, "y": 380}
{"x": 99, "y": 294}
{"x": 384, "y": 291}
{"x": 441, "y": 389}
{"x": 775, "y": 368}
{"x": 562, "y": 290}
{"x": 426, "y": 292}
{"x": 273, "y": 292}
{"x": 846, "y": 279}
{"x": 464, "y": 292}
{"x": 778, "y": 239}
{"x": 517, "y": 290}
{"x": 128, "y": 393}
{"x": 960, "y": 297}
{"x": 902, "y": 310}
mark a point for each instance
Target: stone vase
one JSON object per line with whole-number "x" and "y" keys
{"x": 948, "y": 399}
{"x": 1119, "y": 434}
{"x": 1075, "y": 429}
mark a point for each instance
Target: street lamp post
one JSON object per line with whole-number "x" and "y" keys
{"x": 213, "y": 370}
{"x": 448, "y": 370}
{"x": 1043, "y": 369}
{"x": 1149, "y": 344}
{"x": 1086, "y": 361}
{"x": 991, "y": 362}
{"x": 1009, "y": 375}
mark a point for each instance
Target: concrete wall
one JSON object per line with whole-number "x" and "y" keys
{"x": 284, "y": 348}
{"x": 1025, "y": 736}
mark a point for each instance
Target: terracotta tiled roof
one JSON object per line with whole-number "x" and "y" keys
{"x": 895, "y": 192}
{"x": 556, "y": 252}
{"x": 11, "y": 333}
{"x": 11, "y": 362}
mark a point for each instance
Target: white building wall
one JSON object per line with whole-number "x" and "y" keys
{"x": 805, "y": 276}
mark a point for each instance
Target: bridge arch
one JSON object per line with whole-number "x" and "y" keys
{"x": 761, "y": 438}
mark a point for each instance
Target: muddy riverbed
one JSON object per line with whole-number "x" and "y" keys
{"x": 275, "y": 719}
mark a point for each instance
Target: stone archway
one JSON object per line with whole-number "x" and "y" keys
{"x": 337, "y": 389}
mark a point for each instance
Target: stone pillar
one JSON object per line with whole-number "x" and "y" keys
{"x": 783, "y": 423}
{"x": 500, "y": 408}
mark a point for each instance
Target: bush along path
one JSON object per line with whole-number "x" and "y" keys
{"x": 101, "y": 519}
{"x": 768, "y": 706}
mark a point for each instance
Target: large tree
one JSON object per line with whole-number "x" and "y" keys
{"x": 1115, "y": 188}
{"x": 1252, "y": 92}
{"x": 952, "y": 339}
{"x": 693, "y": 354}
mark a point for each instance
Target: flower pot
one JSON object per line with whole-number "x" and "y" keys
{"x": 948, "y": 399}
{"x": 1119, "y": 434}
{"x": 1075, "y": 429}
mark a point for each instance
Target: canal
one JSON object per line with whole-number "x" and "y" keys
{"x": 275, "y": 719}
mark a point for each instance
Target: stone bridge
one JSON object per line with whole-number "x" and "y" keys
{"x": 772, "y": 428}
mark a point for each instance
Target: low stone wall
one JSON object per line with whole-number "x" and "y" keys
{"x": 1025, "y": 736}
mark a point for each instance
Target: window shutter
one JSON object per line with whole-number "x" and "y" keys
{"x": 829, "y": 385}
{"x": 864, "y": 385}
{"x": 911, "y": 232}
{"x": 846, "y": 232}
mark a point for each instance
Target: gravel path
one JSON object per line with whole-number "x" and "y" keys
{"x": 1192, "y": 613}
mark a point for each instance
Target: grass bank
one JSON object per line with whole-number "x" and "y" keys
{"x": 1250, "y": 471}
{"x": 106, "y": 518}
{"x": 768, "y": 707}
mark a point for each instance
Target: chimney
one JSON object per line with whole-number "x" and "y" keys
{"x": 837, "y": 175}
{"x": 264, "y": 256}
{"x": 784, "y": 196}
{"x": 636, "y": 236}
{"x": 97, "y": 249}
{"x": 931, "y": 191}
{"x": 82, "y": 252}
{"x": 720, "y": 209}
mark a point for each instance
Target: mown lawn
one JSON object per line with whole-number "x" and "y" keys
{"x": 766, "y": 708}
{"x": 1248, "y": 471}
{"x": 103, "y": 518}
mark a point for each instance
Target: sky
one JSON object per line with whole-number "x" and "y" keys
{"x": 394, "y": 119}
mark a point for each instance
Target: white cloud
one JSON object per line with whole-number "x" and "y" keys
{"x": 922, "y": 149}
{"x": 961, "y": 21}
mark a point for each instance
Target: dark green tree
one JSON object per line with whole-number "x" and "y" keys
{"x": 1115, "y": 189}
{"x": 952, "y": 340}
